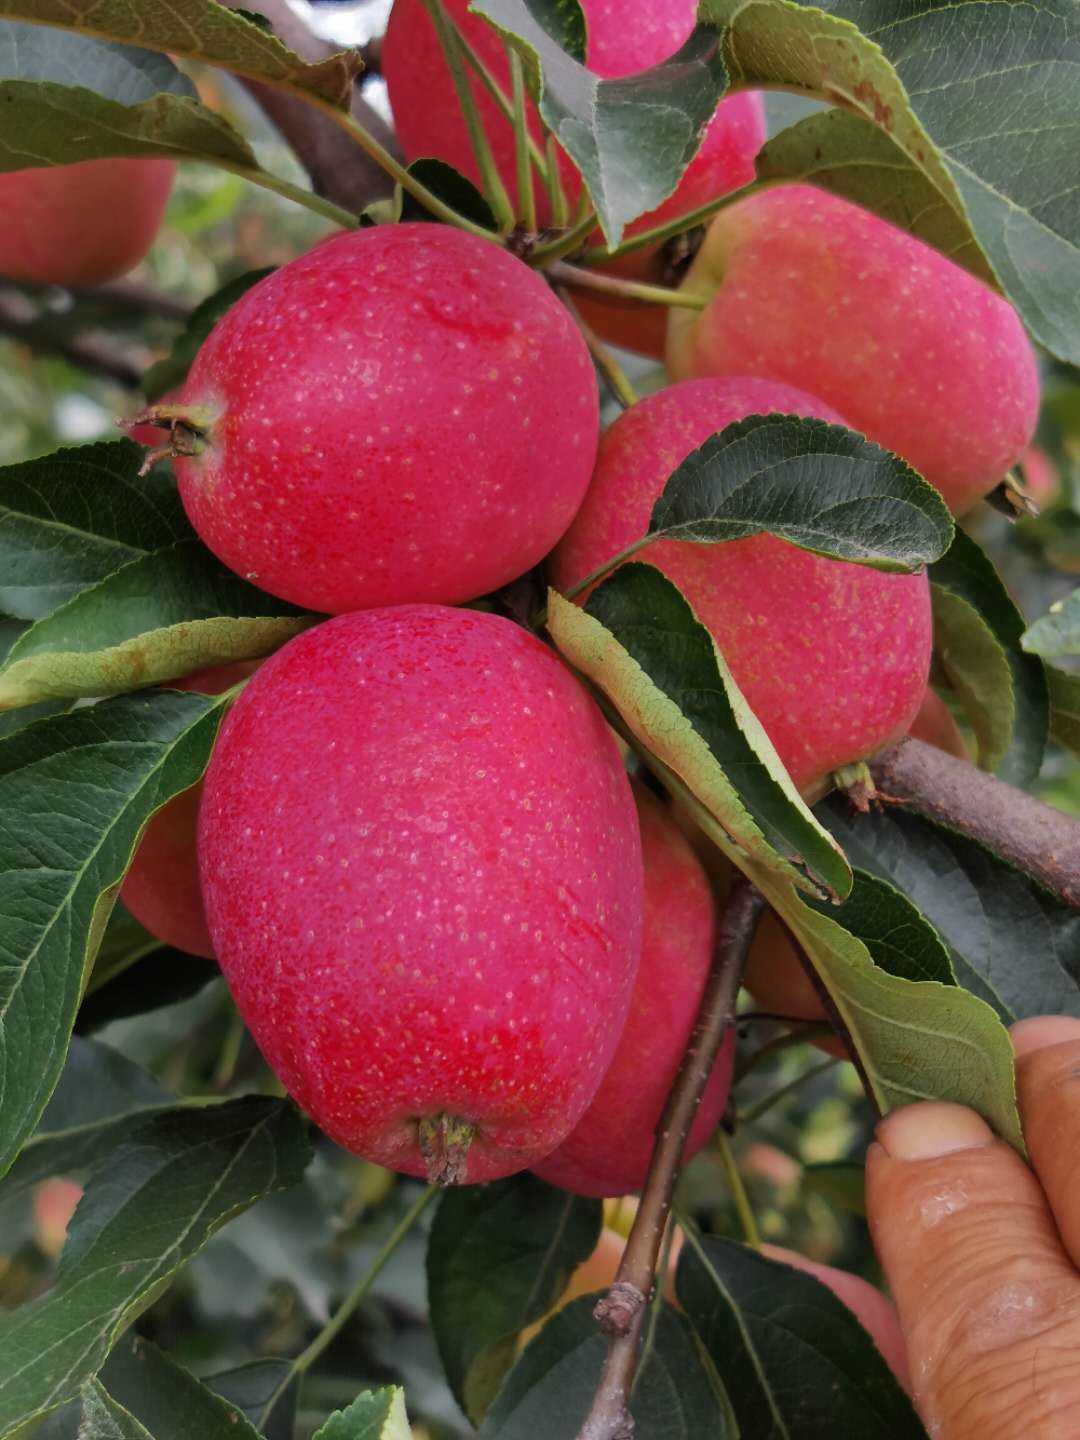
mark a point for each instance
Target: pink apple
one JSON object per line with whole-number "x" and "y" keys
{"x": 831, "y": 656}
{"x": 161, "y": 888}
{"x": 422, "y": 872}
{"x": 608, "y": 1152}
{"x": 81, "y": 224}
{"x": 808, "y": 289}
{"x": 935, "y": 724}
{"x": 404, "y": 413}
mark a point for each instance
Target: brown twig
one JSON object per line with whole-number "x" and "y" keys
{"x": 621, "y": 1312}
{"x": 1033, "y": 836}
{"x": 340, "y": 171}
{"x": 19, "y": 320}
{"x": 138, "y": 295}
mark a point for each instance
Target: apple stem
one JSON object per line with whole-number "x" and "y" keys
{"x": 618, "y": 381}
{"x": 621, "y": 1312}
{"x": 574, "y": 278}
{"x": 444, "y": 1142}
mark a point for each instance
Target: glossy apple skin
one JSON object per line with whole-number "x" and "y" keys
{"x": 81, "y": 224}
{"x": 161, "y": 888}
{"x": 405, "y": 413}
{"x": 422, "y": 870}
{"x": 832, "y": 657}
{"x": 622, "y": 40}
{"x": 811, "y": 290}
{"x": 609, "y": 1150}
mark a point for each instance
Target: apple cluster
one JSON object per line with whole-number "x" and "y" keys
{"x": 463, "y": 937}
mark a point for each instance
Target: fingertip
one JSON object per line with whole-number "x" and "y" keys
{"x": 931, "y": 1129}
{"x": 1040, "y": 1032}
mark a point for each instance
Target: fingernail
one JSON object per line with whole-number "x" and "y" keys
{"x": 931, "y": 1129}
{"x": 1042, "y": 1031}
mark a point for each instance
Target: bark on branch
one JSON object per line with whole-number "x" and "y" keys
{"x": 20, "y": 320}
{"x": 621, "y": 1312}
{"x": 1033, "y": 836}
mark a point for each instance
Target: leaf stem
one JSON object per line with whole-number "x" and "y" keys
{"x": 310, "y": 201}
{"x": 564, "y": 243}
{"x": 621, "y": 1312}
{"x": 491, "y": 180}
{"x": 763, "y": 1106}
{"x": 502, "y": 100}
{"x": 526, "y": 193}
{"x": 808, "y": 1030}
{"x": 556, "y": 194}
{"x": 747, "y": 1218}
{"x": 617, "y": 379}
{"x": 598, "y": 254}
{"x": 575, "y": 278}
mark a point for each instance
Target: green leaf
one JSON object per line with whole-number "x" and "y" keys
{"x": 820, "y": 486}
{"x": 498, "y": 1259}
{"x": 10, "y": 631}
{"x": 171, "y": 372}
{"x": 266, "y": 1391}
{"x": 639, "y": 641}
{"x": 898, "y": 939}
{"x": 104, "y": 1419}
{"x": 374, "y": 1415}
{"x": 945, "y": 82}
{"x": 977, "y": 637}
{"x": 122, "y": 72}
{"x": 550, "y": 1389}
{"x": 631, "y": 138}
{"x": 72, "y": 518}
{"x": 161, "y": 976}
{"x": 157, "y": 618}
{"x": 451, "y": 187}
{"x": 1058, "y": 633}
{"x": 199, "y": 30}
{"x": 1011, "y": 942}
{"x": 165, "y": 1192}
{"x": 75, "y": 793}
{"x": 167, "y": 1399}
{"x": 795, "y": 1362}
{"x": 1065, "y": 708}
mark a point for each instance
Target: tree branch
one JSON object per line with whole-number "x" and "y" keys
{"x": 339, "y": 169}
{"x": 20, "y": 320}
{"x": 1033, "y": 836}
{"x": 621, "y": 1312}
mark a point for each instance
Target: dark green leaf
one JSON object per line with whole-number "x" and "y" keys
{"x": 99, "y": 1099}
{"x": 1058, "y": 633}
{"x": 103, "y": 1419}
{"x": 262, "y": 1390}
{"x": 630, "y": 138}
{"x": 549, "y": 1390}
{"x": 946, "y": 82}
{"x": 450, "y": 186}
{"x": 664, "y": 674}
{"x": 198, "y": 30}
{"x": 498, "y": 1259}
{"x": 167, "y": 1399}
{"x": 121, "y": 72}
{"x": 1011, "y": 943}
{"x": 164, "y": 1193}
{"x": 977, "y": 634}
{"x": 375, "y": 1415}
{"x": 819, "y": 486}
{"x": 795, "y": 1362}
{"x": 75, "y": 793}
{"x": 1065, "y": 708}
{"x": 160, "y": 977}
{"x": 171, "y": 372}
{"x": 70, "y": 519}
{"x": 900, "y": 940}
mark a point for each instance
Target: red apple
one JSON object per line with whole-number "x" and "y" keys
{"x": 808, "y": 289}
{"x": 1041, "y": 475}
{"x": 81, "y": 224}
{"x": 422, "y": 872}
{"x": 608, "y": 1151}
{"x": 404, "y": 413}
{"x": 831, "y": 656}
{"x": 429, "y": 121}
{"x": 55, "y": 1202}
{"x": 935, "y": 724}
{"x": 161, "y": 888}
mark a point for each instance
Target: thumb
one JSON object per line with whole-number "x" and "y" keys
{"x": 988, "y": 1300}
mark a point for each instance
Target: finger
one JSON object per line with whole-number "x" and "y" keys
{"x": 989, "y": 1302}
{"x": 869, "y": 1306}
{"x": 1048, "y": 1087}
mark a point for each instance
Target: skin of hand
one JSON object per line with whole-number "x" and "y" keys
{"x": 982, "y": 1252}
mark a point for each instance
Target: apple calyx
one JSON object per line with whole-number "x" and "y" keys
{"x": 857, "y": 784}
{"x": 188, "y": 426}
{"x": 444, "y": 1142}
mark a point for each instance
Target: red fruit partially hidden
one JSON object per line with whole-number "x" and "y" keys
{"x": 405, "y": 413}
{"x": 422, "y": 870}
{"x": 608, "y": 1151}
{"x": 831, "y": 656}
{"x": 935, "y": 724}
{"x": 810, "y": 290}
{"x": 161, "y": 888}
{"x": 55, "y": 1202}
{"x": 81, "y": 224}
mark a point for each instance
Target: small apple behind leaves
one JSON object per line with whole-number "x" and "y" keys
{"x": 81, "y": 224}
{"x": 608, "y": 1151}
{"x": 405, "y": 413}
{"x": 810, "y": 290}
{"x": 831, "y": 656}
{"x": 422, "y": 871}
